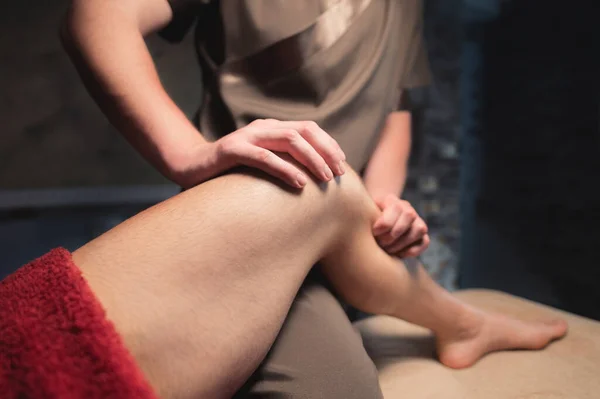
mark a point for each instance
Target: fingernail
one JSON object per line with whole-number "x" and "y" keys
{"x": 341, "y": 168}
{"x": 327, "y": 173}
{"x": 301, "y": 180}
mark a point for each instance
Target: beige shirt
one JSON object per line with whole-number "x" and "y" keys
{"x": 341, "y": 63}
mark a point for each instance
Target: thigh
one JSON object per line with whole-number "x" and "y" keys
{"x": 199, "y": 286}
{"x": 318, "y": 354}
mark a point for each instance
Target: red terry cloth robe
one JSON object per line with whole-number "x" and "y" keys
{"x": 55, "y": 341}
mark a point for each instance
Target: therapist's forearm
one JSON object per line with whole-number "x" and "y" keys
{"x": 386, "y": 172}
{"x": 105, "y": 40}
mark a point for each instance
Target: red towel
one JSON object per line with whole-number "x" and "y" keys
{"x": 55, "y": 341}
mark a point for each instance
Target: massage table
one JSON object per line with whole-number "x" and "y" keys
{"x": 567, "y": 369}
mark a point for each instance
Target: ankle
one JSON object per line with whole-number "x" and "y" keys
{"x": 465, "y": 323}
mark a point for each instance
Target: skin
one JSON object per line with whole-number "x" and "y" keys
{"x": 105, "y": 40}
{"x": 386, "y": 171}
{"x": 199, "y": 314}
{"x": 399, "y": 230}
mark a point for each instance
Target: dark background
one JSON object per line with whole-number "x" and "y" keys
{"x": 531, "y": 154}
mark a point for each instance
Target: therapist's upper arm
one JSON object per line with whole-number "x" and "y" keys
{"x": 147, "y": 16}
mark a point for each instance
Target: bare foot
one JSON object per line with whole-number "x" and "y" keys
{"x": 480, "y": 333}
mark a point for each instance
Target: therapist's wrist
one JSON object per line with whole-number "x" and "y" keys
{"x": 192, "y": 163}
{"x": 380, "y": 197}
{"x": 378, "y": 189}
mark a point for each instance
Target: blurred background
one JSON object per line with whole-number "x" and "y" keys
{"x": 505, "y": 164}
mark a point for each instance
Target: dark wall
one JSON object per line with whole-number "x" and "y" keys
{"x": 536, "y": 199}
{"x": 50, "y": 124}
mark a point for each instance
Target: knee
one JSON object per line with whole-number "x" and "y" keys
{"x": 344, "y": 198}
{"x": 355, "y": 199}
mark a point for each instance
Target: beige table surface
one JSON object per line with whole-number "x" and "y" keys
{"x": 569, "y": 368}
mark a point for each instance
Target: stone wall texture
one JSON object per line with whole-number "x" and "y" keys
{"x": 433, "y": 185}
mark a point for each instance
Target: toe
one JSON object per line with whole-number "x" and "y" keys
{"x": 559, "y": 328}
{"x": 546, "y": 332}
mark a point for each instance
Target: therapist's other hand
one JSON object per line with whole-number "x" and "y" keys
{"x": 399, "y": 230}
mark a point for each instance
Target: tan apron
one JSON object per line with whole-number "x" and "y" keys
{"x": 340, "y": 63}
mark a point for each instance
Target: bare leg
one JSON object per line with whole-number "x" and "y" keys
{"x": 463, "y": 333}
{"x": 199, "y": 286}
{"x": 374, "y": 282}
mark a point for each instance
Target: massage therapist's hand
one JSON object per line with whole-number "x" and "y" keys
{"x": 399, "y": 230}
{"x": 257, "y": 144}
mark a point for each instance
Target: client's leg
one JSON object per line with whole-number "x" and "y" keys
{"x": 371, "y": 280}
{"x": 199, "y": 286}
{"x": 374, "y": 282}
{"x": 463, "y": 333}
